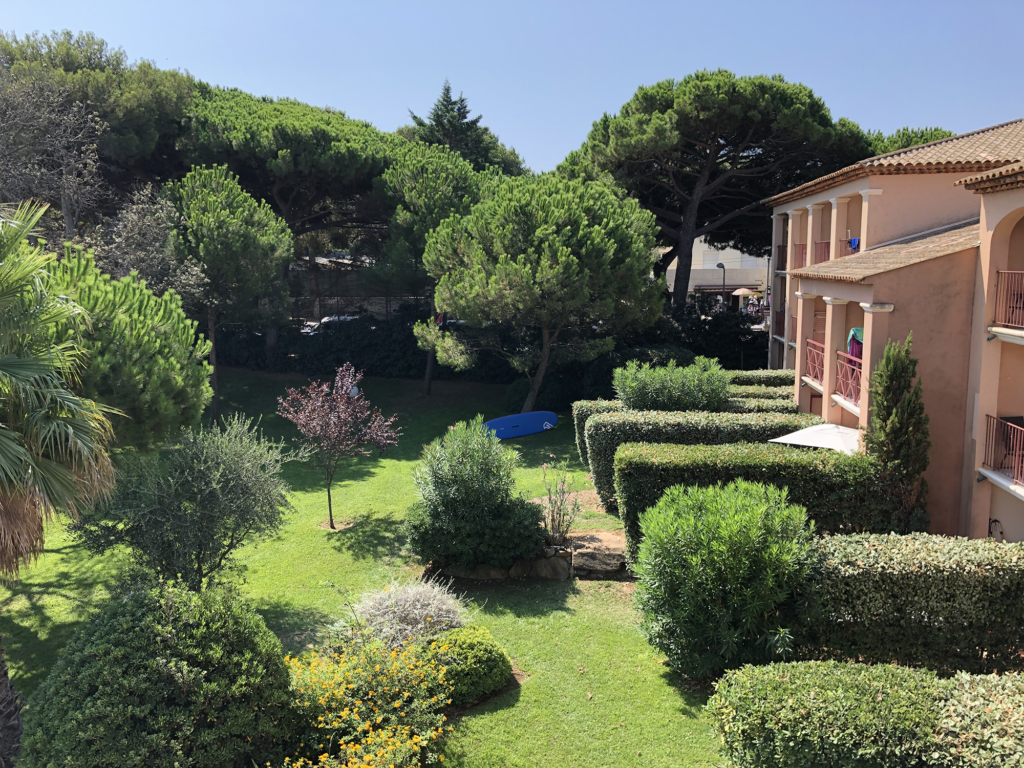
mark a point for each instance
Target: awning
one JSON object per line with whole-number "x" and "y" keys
{"x": 842, "y": 439}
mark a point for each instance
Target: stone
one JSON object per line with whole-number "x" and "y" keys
{"x": 549, "y": 551}
{"x": 552, "y": 568}
{"x": 520, "y": 570}
{"x": 599, "y": 560}
{"x": 563, "y": 553}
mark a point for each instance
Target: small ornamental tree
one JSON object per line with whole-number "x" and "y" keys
{"x": 336, "y": 424}
{"x": 898, "y": 429}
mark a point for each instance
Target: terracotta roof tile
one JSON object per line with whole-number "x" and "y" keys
{"x": 1007, "y": 177}
{"x": 973, "y": 152}
{"x": 904, "y": 253}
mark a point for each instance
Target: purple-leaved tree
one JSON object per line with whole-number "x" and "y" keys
{"x": 336, "y": 424}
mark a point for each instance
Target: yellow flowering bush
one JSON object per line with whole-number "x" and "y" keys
{"x": 366, "y": 704}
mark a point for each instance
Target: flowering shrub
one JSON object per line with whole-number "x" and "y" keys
{"x": 403, "y": 612}
{"x": 367, "y": 702}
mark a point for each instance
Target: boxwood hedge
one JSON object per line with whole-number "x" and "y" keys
{"x": 583, "y": 410}
{"x": 812, "y": 714}
{"x": 841, "y": 492}
{"x": 605, "y": 432}
{"x": 761, "y": 391}
{"x": 743, "y": 399}
{"x": 934, "y": 601}
{"x": 763, "y": 377}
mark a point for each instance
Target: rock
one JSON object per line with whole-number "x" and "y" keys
{"x": 520, "y": 570}
{"x": 563, "y": 553}
{"x": 552, "y": 568}
{"x": 550, "y": 551}
{"x": 599, "y": 560}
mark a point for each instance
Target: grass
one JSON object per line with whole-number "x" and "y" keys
{"x": 593, "y": 692}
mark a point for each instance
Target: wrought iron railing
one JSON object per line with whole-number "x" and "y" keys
{"x": 799, "y": 255}
{"x": 822, "y": 251}
{"x": 848, "y": 375}
{"x": 1010, "y": 299}
{"x": 814, "y": 361}
{"x": 1004, "y": 448}
{"x": 780, "y": 257}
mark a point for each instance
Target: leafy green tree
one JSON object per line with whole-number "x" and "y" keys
{"x": 316, "y": 167}
{"x": 702, "y": 152}
{"x": 563, "y": 264}
{"x": 184, "y": 513}
{"x": 425, "y": 184}
{"x": 905, "y": 138}
{"x": 143, "y": 107}
{"x": 52, "y": 442}
{"x": 240, "y": 243}
{"x": 145, "y": 358}
{"x": 450, "y": 125}
{"x": 898, "y": 429}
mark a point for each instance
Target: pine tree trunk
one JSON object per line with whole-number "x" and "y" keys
{"x": 428, "y": 377}
{"x": 211, "y": 331}
{"x": 684, "y": 262}
{"x": 538, "y": 377}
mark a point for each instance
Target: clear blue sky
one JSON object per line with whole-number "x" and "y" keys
{"x": 542, "y": 72}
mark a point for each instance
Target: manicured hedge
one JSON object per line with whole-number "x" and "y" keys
{"x": 583, "y": 410}
{"x": 765, "y": 378}
{"x": 840, "y": 491}
{"x": 761, "y": 391}
{"x": 760, "y": 405}
{"x": 605, "y": 432}
{"x": 813, "y": 714}
{"x": 934, "y": 601}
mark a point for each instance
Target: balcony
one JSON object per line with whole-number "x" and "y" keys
{"x": 849, "y": 247}
{"x": 799, "y": 254}
{"x": 1004, "y": 447}
{"x": 779, "y": 323}
{"x": 848, "y": 376}
{"x": 780, "y": 258}
{"x": 814, "y": 361}
{"x": 1009, "y": 299}
{"x": 821, "y": 251}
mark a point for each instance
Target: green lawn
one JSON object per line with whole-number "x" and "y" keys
{"x": 593, "y": 692}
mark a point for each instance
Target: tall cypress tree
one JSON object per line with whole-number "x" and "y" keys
{"x": 898, "y": 430}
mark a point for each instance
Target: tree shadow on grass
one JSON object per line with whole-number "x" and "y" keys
{"x": 526, "y": 598}
{"x": 693, "y": 695}
{"x": 374, "y": 535}
{"x": 295, "y": 626}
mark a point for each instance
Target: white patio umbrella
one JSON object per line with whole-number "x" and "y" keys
{"x": 843, "y": 439}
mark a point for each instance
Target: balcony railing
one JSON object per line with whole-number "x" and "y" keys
{"x": 799, "y": 255}
{"x": 1010, "y": 299}
{"x": 1004, "y": 448}
{"x": 848, "y": 375}
{"x": 814, "y": 361}
{"x": 821, "y": 251}
{"x": 780, "y": 257}
{"x": 779, "y": 323}
{"x": 792, "y": 330}
{"x": 846, "y": 249}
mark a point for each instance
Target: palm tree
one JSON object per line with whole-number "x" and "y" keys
{"x": 52, "y": 442}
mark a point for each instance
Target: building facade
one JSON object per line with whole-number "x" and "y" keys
{"x": 740, "y": 270}
{"x": 926, "y": 241}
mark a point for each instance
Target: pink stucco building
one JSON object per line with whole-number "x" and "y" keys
{"x": 928, "y": 240}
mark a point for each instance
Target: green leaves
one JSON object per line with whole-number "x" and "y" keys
{"x": 145, "y": 357}
{"x": 721, "y": 574}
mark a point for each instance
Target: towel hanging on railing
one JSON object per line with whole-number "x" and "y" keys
{"x": 855, "y": 343}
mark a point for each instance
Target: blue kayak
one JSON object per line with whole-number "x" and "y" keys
{"x": 522, "y": 424}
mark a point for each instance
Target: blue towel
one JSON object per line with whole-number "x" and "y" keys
{"x": 855, "y": 333}
{"x": 854, "y": 243}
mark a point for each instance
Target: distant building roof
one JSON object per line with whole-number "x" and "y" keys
{"x": 903, "y": 253}
{"x": 1007, "y": 177}
{"x": 974, "y": 152}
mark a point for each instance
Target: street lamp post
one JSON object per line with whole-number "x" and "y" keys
{"x": 721, "y": 266}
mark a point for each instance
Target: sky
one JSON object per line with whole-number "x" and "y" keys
{"x": 540, "y": 73}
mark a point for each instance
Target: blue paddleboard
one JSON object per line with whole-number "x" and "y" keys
{"x": 522, "y": 424}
